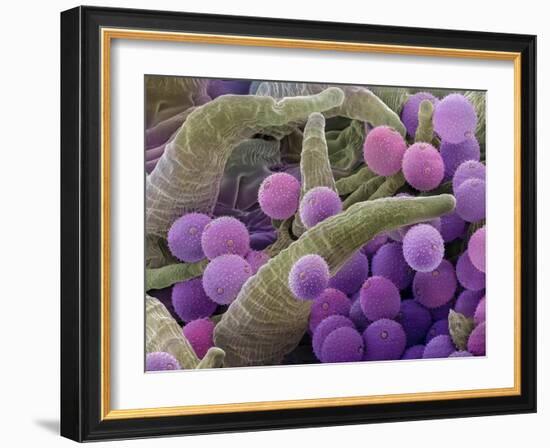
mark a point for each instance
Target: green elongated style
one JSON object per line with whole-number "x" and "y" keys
{"x": 163, "y": 334}
{"x": 392, "y": 96}
{"x": 188, "y": 175}
{"x": 349, "y": 184}
{"x": 364, "y": 191}
{"x": 425, "y": 129}
{"x": 213, "y": 359}
{"x": 283, "y": 238}
{"x": 345, "y": 151}
{"x": 389, "y": 187}
{"x": 315, "y": 166}
{"x": 266, "y": 322}
{"x": 360, "y": 103}
{"x": 165, "y": 276}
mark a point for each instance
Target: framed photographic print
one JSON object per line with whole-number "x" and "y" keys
{"x": 276, "y": 224}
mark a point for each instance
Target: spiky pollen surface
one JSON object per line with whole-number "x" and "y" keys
{"x": 436, "y": 288}
{"x": 468, "y": 275}
{"x": 476, "y": 341}
{"x": 256, "y": 259}
{"x": 184, "y": 237}
{"x": 190, "y": 301}
{"x": 455, "y": 154}
{"x": 379, "y": 298}
{"x": 467, "y": 302}
{"x": 415, "y": 320}
{"x": 414, "y": 352}
{"x": 470, "y": 200}
{"x": 344, "y": 344}
{"x": 199, "y": 333}
{"x": 330, "y": 302}
{"x": 455, "y": 118}
{"x": 224, "y": 276}
{"x": 318, "y": 204}
{"x": 439, "y": 347}
{"x": 225, "y": 235}
{"x": 383, "y": 150}
{"x": 308, "y": 277}
{"x": 470, "y": 169}
{"x": 479, "y": 315}
{"x": 157, "y": 361}
{"x": 384, "y": 339}
{"x": 438, "y": 328}
{"x": 452, "y": 227}
{"x": 279, "y": 195}
{"x": 423, "y": 166}
{"x": 476, "y": 249}
{"x": 352, "y": 275}
{"x": 389, "y": 262}
{"x": 325, "y": 327}
{"x": 423, "y": 248}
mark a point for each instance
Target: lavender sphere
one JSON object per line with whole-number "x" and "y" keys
{"x": 200, "y": 334}
{"x": 460, "y": 354}
{"x": 423, "y": 166}
{"x": 470, "y": 169}
{"x": 415, "y": 320}
{"x": 435, "y": 223}
{"x": 476, "y": 249}
{"x": 383, "y": 150}
{"x": 190, "y": 301}
{"x": 455, "y": 118}
{"x": 455, "y": 154}
{"x": 156, "y": 361}
{"x": 476, "y": 341}
{"x": 344, "y": 344}
{"x": 330, "y": 302}
{"x": 479, "y": 314}
{"x": 470, "y": 200}
{"x": 351, "y": 276}
{"x": 409, "y": 113}
{"x": 434, "y": 289}
{"x": 467, "y": 302}
{"x": 384, "y": 339}
{"x": 439, "y": 328}
{"x": 357, "y": 316}
{"x": 279, "y": 195}
{"x": 414, "y": 352}
{"x": 423, "y": 248}
{"x": 389, "y": 262}
{"x": 376, "y": 243}
{"x": 325, "y": 327}
{"x": 468, "y": 275}
{"x": 439, "y": 347}
{"x": 308, "y": 278}
{"x": 224, "y": 277}
{"x": 442, "y": 312}
{"x": 225, "y": 235}
{"x": 452, "y": 227}
{"x": 379, "y": 298}
{"x": 256, "y": 259}
{"x": 318, "y": 204}
{"x": 184, "y": 237}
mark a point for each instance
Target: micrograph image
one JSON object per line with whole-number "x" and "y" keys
{"x": 292, "y": 223}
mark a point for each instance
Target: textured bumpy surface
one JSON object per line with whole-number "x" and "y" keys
{"x": 315, "y": 168}
{"x": 266, "y": 322}
{"x": 205, "y": 142}
{"x": 163, "y": 334}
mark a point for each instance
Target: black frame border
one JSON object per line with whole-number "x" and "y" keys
{"x": 81, "y": 223}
